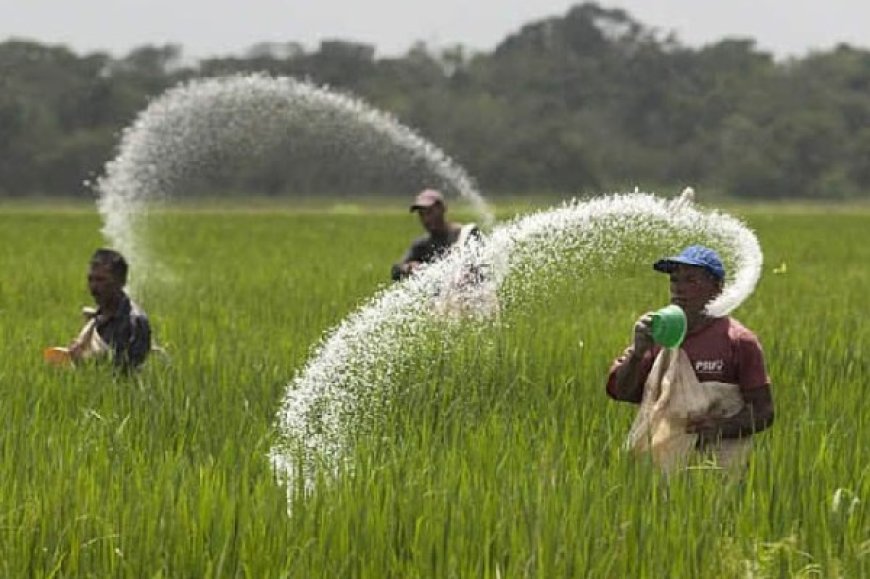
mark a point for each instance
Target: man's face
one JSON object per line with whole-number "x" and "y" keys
{"x": 102, "y": 283}
{"x": 432, "y": 217}
{"x": 692, "y": 288}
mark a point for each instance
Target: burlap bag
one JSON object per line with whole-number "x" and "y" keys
{"x": 672, "y": 396}
{"x": 93, "y": 345}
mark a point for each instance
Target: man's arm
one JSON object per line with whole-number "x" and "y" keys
{"x": 409, "y": 262}
{"x": 140, "y": 342}
{"x": 628, "y": 375}
{"x": 625, "y": 381}
{"x": 78, "y": 346}
{"x": 756, "y": 416}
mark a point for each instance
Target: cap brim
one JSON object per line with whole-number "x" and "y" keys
{"x": 668, "y": 264}
{"x": 417, "y": 206}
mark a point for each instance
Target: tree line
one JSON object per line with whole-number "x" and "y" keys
{"x": 590, "y": 101}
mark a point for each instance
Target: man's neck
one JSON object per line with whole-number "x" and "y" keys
{"x": 441, "y": 231}
{"x": 110, "y": 307}
{"x": 698, "y": 321}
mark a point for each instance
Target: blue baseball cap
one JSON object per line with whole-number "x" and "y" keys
{"x": 696, "y": 255}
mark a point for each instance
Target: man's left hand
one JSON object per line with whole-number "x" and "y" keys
{"x": 708, "y": 430}
{"x": 704, "y": 426}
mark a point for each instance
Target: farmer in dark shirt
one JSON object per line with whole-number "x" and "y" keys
{"x": 441, "y": 234}
{"x": 117, "y": 327}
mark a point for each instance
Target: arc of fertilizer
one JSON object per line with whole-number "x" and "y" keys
{"x": 356, "y": 361}
{"x": 197, "y": 126}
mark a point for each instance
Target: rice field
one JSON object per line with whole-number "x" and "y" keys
{"x": 495, "y": 458}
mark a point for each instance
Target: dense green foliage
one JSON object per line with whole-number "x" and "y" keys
{"x": 499, "y": 458}
{"x": 589, "y": 101}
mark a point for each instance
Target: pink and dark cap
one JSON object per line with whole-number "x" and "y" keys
{"x": 427, "y": 198}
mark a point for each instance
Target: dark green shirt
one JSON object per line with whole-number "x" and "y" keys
{"x": 430, "y": 248}
{"x": 127, "y": 333}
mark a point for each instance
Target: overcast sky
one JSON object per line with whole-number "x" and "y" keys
{"x": 222, "y": 27}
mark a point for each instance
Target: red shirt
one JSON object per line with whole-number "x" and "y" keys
{"x": 722, "y": 351}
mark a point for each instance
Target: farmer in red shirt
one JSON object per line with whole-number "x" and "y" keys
{"x": 720, "y": 349}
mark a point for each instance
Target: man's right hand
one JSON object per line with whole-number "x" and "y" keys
{"x": 76, "y": 350}
{"x": 627, "y": 381}
{"x": 643, "y": 339}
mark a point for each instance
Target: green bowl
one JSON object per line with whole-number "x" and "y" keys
{"x": 669, "y": 326}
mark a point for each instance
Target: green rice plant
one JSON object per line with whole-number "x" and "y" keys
{"x": 496, "y": 454}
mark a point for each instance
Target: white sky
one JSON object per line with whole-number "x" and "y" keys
{"x": 223, "y": 27}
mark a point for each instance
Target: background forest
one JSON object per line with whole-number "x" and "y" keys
{"x": 589, "y": 102}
